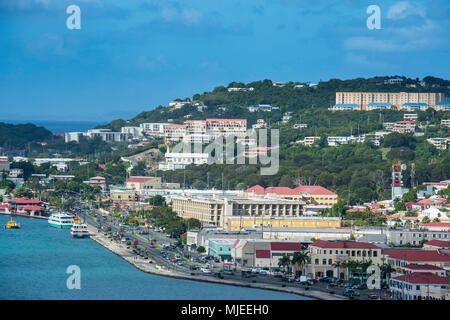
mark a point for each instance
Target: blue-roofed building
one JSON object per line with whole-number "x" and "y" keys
{"x": 345, "y": 107}
{"x": 382, "y": 106}
{"x": 414, "y": 106}
{"x": 442, "y": 106}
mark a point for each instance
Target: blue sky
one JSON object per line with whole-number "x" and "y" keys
{"x": 131, "y": 56}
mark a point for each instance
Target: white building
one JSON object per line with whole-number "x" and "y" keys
{"x": 438, "y": 143}
{"x": 308, "y": 141}
{"x": 134, "y": 132}
{"x": 153, "y": 128}
{"x": 73, "y": 136}
{"x": 107, "y": 135}
{"x": 337, "y": 141}
{"x": 300, "y": 126}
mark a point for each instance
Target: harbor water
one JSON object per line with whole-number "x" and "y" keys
{"x": 34, "y": 260}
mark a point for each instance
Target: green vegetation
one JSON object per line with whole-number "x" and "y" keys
{"x": 18, "y": 136}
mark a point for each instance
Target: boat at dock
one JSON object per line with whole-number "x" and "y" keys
{"x": 11, "y": 224}
{"x": 60, "y": 220}
{"x": 79, "y": 231}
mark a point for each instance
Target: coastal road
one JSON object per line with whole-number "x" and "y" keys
{"x": 157, "y": 257}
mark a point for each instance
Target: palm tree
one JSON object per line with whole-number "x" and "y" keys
{"x": 284, "y": 261}
{"x": 300, "y": 258}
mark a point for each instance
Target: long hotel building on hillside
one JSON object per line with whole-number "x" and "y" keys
{"x": 379, "y": 100}
{"x": 191, "y": 130}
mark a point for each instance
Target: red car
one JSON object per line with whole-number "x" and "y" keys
{"x": 135, "y": 242}
{"x": 151, "y": 245}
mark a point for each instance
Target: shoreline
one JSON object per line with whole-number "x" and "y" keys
{"x": 144, "y": 265}
{"x": 23, "y": 215}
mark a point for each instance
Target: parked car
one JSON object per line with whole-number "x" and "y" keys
{"x": 263, "y": 272}
{"x": 205, "y": 270}
{"x": 372, "y": 296}
{"x": 288, "y": 278}
{"x": 228, "y": 271}
{"x": 256, "y": 270}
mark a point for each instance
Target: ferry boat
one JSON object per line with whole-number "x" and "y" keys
{"x": 11, "y": 224}
{"x": 79, "y": 231}
{"x": 60, "y": 220}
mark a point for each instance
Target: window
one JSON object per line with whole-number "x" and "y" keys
{"x": 375, "y": 253}
{"x": 316, "y": 261}
{"x": 330, "y": 261}
{"x": 324, "y": 261}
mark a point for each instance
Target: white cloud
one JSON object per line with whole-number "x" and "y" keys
{"x": 185, "y": 15}
{"x": 402, "y": 9}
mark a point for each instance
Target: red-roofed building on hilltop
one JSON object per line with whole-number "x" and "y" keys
{"x": 311, "y": 194}
{"x": 420, "y": 286}
{"x": 325, "y": 257}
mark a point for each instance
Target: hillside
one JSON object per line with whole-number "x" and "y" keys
{"x": 17, "y": 136}
{"x": 221, "y": 103}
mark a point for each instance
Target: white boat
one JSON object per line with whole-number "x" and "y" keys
{"x": 79, "y": 231}
{"x": 60, "y": 220}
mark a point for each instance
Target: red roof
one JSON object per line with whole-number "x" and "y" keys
{"x": 414, "y": 266}
{"x": 285, "y": 246}
{"x": 438, "y": 243}
{"x": 24, "y": 201}
{"x": 138, "y": 179}
{"x": 227, "y": 120}
{"x": 309, "y": 190}
{"x": 416, "y": 255}
{"x": 423, "y": 278}
{"x": 262, "y": 254}
{"x": 315, "y": 190}
{"x": 437, "y": 224}
{"x": 33, "y": 208}
{"x": 343, "y": 245}
{"x": 436, "y": 183}
{"x": 357, "y": 210}
{"x": 425, "y": 201}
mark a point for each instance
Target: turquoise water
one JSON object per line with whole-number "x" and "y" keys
{"x": 34, "y": 259}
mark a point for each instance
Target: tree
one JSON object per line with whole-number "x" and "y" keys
{"x": 157, "y": 200}
{"x": 426, "y": 220}
{"x": 284, "y": 261}
{"x": 410, "y": 196}
{"x": 300, "y": 258}
{"x": 201, "y": 249}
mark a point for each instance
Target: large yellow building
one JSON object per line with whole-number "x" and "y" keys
{"x": 396, "y": 99}
{"x": 237, "y": 213}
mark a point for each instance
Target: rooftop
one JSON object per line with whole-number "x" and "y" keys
{"x": 438, "y": 243}
{"x": 423, "y": 278}
{"x": 415, "y": 255}
{"x": 344, "y": 245}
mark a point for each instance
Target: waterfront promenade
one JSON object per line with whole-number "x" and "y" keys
{"x": 144, "y": 265}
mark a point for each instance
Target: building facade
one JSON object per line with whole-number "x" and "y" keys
{"x": 396, "y": 99}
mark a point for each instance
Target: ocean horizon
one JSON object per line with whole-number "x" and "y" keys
{"x": 58, "y": 126}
